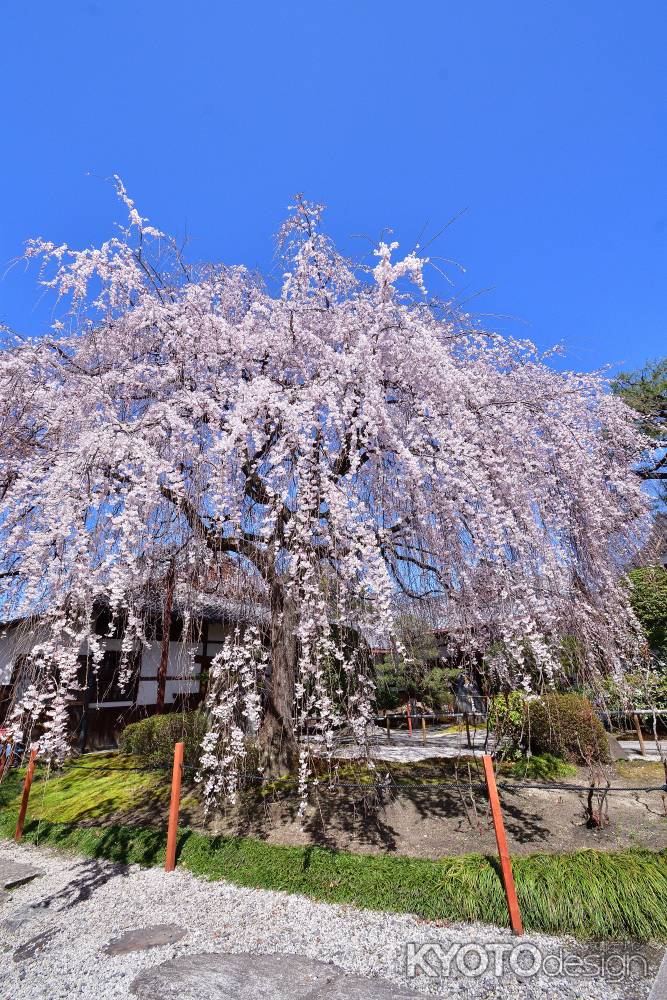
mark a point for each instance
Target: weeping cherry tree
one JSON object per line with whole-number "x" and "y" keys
{"x": 351, "y": 445}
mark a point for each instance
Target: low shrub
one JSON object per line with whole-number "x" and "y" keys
{"x": 153, "y": 738}
{"x": 506, "y": 721}
{"x": 566, "y": 726}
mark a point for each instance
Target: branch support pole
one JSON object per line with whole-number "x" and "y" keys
{"x": 503, "y": 852}
{"x": 640, "y": 737}
{"x": 6, "y": 758}
{"x": 174, "y": 806}
{"x": 26, "y": 795}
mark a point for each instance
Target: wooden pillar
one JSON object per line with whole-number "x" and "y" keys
{"x": 424, "y": 730}
{"x": 407, "y": 705}
{"x": 388, "y": 728}
{"x": 166, "y": 630}
{"x": 18, "y": 833}
{"x": 174, "y": 806}
{"x": 503, "y": 852}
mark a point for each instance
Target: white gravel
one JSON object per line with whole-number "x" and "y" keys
{"x": 84, "y": 904}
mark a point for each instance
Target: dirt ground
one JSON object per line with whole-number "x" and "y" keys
{"x": 441, "y": 818}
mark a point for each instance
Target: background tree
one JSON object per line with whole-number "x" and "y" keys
{"x": 646, "y": 392}
{"x": 342, "y": 438}
{"x": 649, "y": 602}
{"x": 414, "y": 670}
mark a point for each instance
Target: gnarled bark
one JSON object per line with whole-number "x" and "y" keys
{"x": 277, "y": 736}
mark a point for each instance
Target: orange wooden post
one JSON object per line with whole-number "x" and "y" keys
{"x": 174, "y": 805}
{"x": 424, "y": 730}
{"x": 26, "y": 795}
{"x": 407, "y": 705}
{"x": 501, "y": 840}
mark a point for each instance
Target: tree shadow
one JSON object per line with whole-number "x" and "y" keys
{"x": 339, "y": 816}
{"x": 84, "y": 880}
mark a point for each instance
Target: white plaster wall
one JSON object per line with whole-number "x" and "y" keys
{"x": 6, "y": 655}
{"x": 147, "y": 693}
{"x": 14, "y": 641}
{"x": 181, "y": 665}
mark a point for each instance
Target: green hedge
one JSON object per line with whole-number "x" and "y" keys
{"x": 566, "y": 725}
{"x": 555, "y": 725}
{"x": 153, "y": 738}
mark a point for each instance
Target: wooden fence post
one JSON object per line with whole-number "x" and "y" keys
{"x": 467, "y": 722}
{"x": 26, "y": 795}
{"x": 174, "y": 805}
{"x": 424, "y": 730}
{"x": 501, "y": 840}
{"x": 640, "y": 737}
{"x": 388, "y": 729}
{"x": 407, "y": 706}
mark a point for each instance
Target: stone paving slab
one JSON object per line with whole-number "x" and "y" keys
{"x": 13, "y": 874}
{"x": 143, "y": 938}
{"x": 633, "y": 749}
{"x": 258, "y": 977}
{"x": 659, "y": 991}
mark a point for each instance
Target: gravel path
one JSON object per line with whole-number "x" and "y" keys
{"x": 404, "y": 748}
{"x": 55, "y": 931}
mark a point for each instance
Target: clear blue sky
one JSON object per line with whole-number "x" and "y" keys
{"x": 546, "y": 121}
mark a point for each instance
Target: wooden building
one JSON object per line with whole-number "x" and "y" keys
{"x": 104, "y": 707}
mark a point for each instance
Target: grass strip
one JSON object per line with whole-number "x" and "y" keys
{"x": 589, "y": 894}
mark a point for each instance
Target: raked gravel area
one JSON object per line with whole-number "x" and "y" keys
{"x": 57, "y": 928}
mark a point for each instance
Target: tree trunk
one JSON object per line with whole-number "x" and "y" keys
{"x": 276, "y": 735}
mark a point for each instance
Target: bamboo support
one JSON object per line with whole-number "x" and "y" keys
{"x": 6, "y": 759}
{"x": 640, "y": 737}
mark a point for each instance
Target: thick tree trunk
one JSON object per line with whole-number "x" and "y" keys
{"x": 276, "y": 736}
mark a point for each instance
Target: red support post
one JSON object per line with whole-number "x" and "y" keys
{"x": 501, "y": 840}
{"x": 26, "y": 795}
{"x": 407, "y": 705}
{"x": 174, "y": 806}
